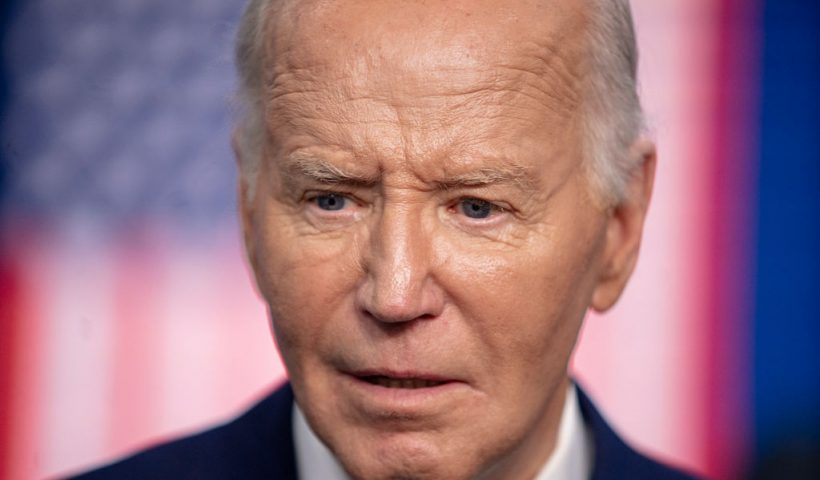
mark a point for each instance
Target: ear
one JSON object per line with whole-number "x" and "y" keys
{"x": 243, "y": 199}
{"x": 625, "y": 228}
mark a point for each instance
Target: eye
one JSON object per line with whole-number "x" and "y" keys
{"x": 476, "y": 208}
{"x": 330, "y": 201}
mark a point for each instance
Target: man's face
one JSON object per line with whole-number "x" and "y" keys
{"x": 422, "y": 230}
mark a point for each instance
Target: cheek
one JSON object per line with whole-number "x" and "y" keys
{"x": 528, "y": 300}
{"x": 304, "y": 279}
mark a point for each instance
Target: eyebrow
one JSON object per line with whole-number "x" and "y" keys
{"x": 324, "y": 172}
{"x": 496, "y": 175}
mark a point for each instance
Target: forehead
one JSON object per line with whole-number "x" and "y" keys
{"x": 462, "y": 40}
{"x": 433, "y": 63}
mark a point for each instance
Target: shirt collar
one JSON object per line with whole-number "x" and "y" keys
{"x": 573, "y": 454}
{"x": 314, "y": 461}
{"x": 571, "y": 459}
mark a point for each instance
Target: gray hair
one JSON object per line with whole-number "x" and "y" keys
{"x": 612, "y": 118}
{"x": 250, "y": 66}
{"x": 612, "y": 115}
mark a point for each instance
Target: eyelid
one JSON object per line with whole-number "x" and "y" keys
{"x": 494, "y": 205}
{"x": 354, "y": 207}
{"x": 499, "y": 216}
{"x": 311, "y": 195}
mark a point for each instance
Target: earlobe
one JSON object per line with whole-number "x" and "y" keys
{"x": 625, "y": 229}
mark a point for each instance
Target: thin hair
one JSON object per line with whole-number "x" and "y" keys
{"x": 250, "y": 98}
{"x": 612, "y": 117}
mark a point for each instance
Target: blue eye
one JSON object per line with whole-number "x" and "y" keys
{"x": 475, "y": 208}
{"x": 331, "y": 201}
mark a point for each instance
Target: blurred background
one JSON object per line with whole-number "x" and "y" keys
{"x": 127, "y": 313}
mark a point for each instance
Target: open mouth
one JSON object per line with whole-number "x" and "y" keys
{"x": 410, "y": 383}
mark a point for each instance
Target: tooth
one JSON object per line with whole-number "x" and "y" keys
{"x": 394, "y": 383}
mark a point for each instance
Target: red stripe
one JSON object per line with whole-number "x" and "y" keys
{"x": 728, "y": 242}
{"x": 9, "y": 319}
{"x": 22, "y": 334}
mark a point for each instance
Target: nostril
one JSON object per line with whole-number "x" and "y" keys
{"x": 396, "y": 317}
{"x": 399, "y": 302}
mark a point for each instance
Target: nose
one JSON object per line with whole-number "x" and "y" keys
{"x": 400, "y": 284}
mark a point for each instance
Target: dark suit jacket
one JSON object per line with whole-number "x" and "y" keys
{"x": 259, "y": 445}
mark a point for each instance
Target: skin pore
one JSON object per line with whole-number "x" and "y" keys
{"x": 423, "y": 231}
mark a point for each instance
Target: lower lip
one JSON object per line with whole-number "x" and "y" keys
{"x": 376, "y": 399}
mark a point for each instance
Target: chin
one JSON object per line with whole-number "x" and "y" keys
{"x": 402, "y": 457}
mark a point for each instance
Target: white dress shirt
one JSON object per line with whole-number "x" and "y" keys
{"x": 570, "y": 460}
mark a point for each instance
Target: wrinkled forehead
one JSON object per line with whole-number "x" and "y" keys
{"x": 436, "y": 43}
